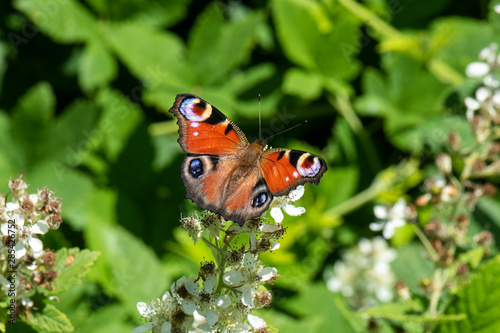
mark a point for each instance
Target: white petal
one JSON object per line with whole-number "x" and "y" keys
{"x": 142, "y": 308}
{"x": 471, "y": 103}
{"x": 166, "y": 297}
{"x": 166, "y": 327}
{"x": 399, "y": 208}
{"x": 212, "y": 317}
{"x": 293, "y": 211}
{"x": 482, "y": 94}
{"x": 11, "y": 206}
{"x": 496, "y": 8}
{"x": 41, "y": 227}
{"x": 376, "y": 226}
{"x": 275, "y": 245}
{"x": 223, "y": 301}
{"x": 143, "y": 328}
{"x": 188, "y": 306}
{"x": 476, "y": 69}
{"x": 191, "y": 286}
{"x": 4, "y": 228}
{"x": 256, "y": 322}
{"x": 209, "y": 284}
{"x": 269, "y": 228}
{"x": 267, "y": 273}
{"x": 247, "y": 296}
{"x": 380, "y": 212}
{"x": 35, "y": 244}
{"x": 248, "y": 260}
{"x": 397, "y": 222}
{"x": 277, "y": 214}
{"x": 296, "y": 194}
{"x": 20, "y": 250}
{"x": 233, "y": 277}
{"x": 388, "y": 231}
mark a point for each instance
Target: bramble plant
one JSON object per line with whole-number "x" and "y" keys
{"x": 227, "y": 289}
{"x": 31, "y": 276}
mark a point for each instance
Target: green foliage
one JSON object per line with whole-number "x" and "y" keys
{"x": 85, "y": 87}
{"x": 476, "y": 301}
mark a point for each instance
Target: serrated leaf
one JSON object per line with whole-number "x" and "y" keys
{"x": 50, "y": 320}
{"x": 478, "y": 300}
{"x": 97, "y": 66}
{"x": 71, "y": 266}
{"x": 64, "y": 21}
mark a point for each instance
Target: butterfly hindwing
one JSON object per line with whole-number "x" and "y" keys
{"x": 203, "y": 129}
{"x": 285, "y": 169}
{"x": 221, "y": 186}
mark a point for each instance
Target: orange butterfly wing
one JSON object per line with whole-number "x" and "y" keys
{"x": 203, "y": 129}
{"x": 285, "y": 169}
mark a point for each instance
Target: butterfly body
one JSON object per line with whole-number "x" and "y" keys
{"x": 226, "y": 174}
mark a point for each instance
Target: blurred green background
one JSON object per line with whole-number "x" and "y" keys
{"x": 84, "y": 91}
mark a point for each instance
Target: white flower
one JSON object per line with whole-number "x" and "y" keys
{"x": 364, "y": 275}
{"x": 393, "y": 218}
{"x": 256, "y": 322}
{"x": 283, "y": 202}
{"x": 475, "y": 69}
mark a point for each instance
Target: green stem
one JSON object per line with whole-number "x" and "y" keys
{"x": 356, "y": 201}
{"x": 428, "y": 246}
{"x": 372, "y": 20}
{"x": 344, "y": 106}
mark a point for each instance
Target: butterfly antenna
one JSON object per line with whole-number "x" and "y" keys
{"x": 260, "y": 122}
{"x": 286, "y": 130}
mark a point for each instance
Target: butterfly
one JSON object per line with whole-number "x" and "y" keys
{"x": 227, "y": 175}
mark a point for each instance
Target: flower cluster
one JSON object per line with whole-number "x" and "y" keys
{"x": 22, "y": 219}
{"x": 364, "y": 274}
{"x": 228, "y": 289}
{"x": 391, "y": 217}
{"x": 483, "y": 111}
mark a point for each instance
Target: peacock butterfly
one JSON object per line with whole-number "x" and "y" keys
{"x": 227, "y": 175}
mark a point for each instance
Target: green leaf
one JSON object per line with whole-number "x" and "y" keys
{"x": 305, "y": 84}
{"x": 411, "y": 266}
{"x": 217, "y": 47}
{"x": 151, "y": 55}
{"x": 71, "y": 266}
{"x": 72, "y": 186}
{"x": 64, "y": 21}
{"x": 316, "y": 40}
{"x": 328, "y": 310}
{"x": 50, "y": 320}
{"x": 478, "y": 300}
{"x": 12, "y": 156}
{"x": 97, "y": 66}
{"x": 404, "y": 312}
{"x": 75, "y": 134}
{"x": 132, "y": 273}
{"x": 32, "y": 121}
{"x": 3, "y": 63}
{"x": 457, "y": 41}
{"x": 118, "y": 121}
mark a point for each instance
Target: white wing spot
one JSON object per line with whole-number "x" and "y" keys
{"x": 287, "y": 179}
{"x": 296, "y": 174}
{"x": 194, "y": 124}
{"x": 195, "y": 133}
